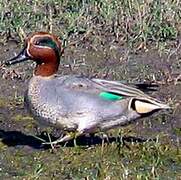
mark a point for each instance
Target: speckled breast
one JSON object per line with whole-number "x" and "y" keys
{"x": 37, "y": 106}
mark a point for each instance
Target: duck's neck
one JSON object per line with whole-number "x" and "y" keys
{"x": 46, "y": 69}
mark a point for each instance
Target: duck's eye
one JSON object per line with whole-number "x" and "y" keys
{"x": 37, "y": 43}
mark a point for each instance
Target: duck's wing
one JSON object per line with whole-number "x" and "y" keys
{"x": 118, "y": 88}
{"x": 141, "y": 100}
{"x": 107, "y": 88}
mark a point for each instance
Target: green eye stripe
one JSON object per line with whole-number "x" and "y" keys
{"x": 48, "y": 42}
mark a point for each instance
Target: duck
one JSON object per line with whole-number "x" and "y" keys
{"x": 76, "y": 104}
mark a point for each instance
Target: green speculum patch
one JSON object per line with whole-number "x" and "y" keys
{"x": 110, "y": 96}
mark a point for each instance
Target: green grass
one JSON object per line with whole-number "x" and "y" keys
{"x": 150, "y": 160}
{"x": 135, "y": 23}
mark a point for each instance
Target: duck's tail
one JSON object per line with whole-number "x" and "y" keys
{"x": 146, "y": 106}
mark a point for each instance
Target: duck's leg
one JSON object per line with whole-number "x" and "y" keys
{"x": 65, "y": 138}
{"x": 105, "y": 136}
{"x": 50, "y": 141}
{"x": 38, "y": 138}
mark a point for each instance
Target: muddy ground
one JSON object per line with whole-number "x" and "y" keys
{"x": 23, "y": 156}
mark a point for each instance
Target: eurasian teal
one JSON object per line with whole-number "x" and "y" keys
{"x": 76, "y": 103}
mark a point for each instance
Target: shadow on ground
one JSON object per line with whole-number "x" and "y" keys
{"x": 16, "y": 138}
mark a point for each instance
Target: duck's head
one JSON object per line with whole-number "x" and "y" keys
{"x": 43, "y": 48}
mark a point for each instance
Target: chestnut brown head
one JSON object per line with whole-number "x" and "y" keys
{"x": 43, "y": 48}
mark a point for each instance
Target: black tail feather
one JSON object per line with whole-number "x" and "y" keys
{"x": 147, "y": 87}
